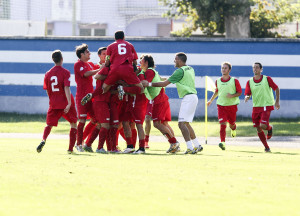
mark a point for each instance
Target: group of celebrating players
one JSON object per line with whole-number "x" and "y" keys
{"x": 125, "y": 94}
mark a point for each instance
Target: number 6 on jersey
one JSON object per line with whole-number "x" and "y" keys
{"x": 122, "y": 49}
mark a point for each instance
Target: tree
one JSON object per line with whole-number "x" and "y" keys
{"x": 213, "y": 16}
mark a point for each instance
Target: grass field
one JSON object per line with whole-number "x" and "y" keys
{"x": 238, "y": 181}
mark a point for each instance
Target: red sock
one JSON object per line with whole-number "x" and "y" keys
{"x": 146, "y": 138}
{"x": 92, "y": 137}
{"x": 133, "y": 136}
{"x": 47, "y": 131}
{"x": 142, "y": 143}
{"x": 72, "y": 135}
{"x": 102, "y": 136}
{"x": 263, "y": 139}
{"x": 80, "y": 133}
{"x": 88, "y": 129}
{"x": 122, "y": 133}
{"x": 108, "y": 140}
{"x": 269, "y": 127}
{"x": 128, "y": 140}
{"x": 113, "y": 138}
{"x": 117, "y": 137}
{"x": 222, "y": 132}
{"x": 172, "y": 140}
{"x": 234, "y": 127}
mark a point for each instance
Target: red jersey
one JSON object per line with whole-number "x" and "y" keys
{"x": 248, "y": 92}
{"x": 84, "y": 84}
{"x": 54, "y": 82}
{"x": 237, "y": 84}
{"x": 102, "y": 97}
{"x": 149, "y": 75}
{"x": 121, "y": 51}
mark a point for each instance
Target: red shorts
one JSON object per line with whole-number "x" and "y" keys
{"x": 227, "y": 114}
{"x": 102, "y": 112}
{"x": 161, "y": 111}
{"x": 261, "y": 118}
{"x": 149, "y": 108}
{"x": 85, "y": 111}
{"x": 122, "y": 72}
{"x": 124, "y": 113}
{"x": 53, "y": 115}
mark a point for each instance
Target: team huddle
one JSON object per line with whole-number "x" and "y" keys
{"x": 127, "y": 94}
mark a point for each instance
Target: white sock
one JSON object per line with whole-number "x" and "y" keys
{"x": 196, "y": 142}
{"x": 189, "y": 145}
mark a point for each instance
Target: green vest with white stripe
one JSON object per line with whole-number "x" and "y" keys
{"x": 223, "y": 89}
{"x": 187, "y": 84}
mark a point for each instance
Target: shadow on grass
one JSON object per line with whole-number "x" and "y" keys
{"x": 255, "y": 152}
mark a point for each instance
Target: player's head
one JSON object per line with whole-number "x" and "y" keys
{"x": 180, "y": 59}
{"x": 82, "y": 51}
{"x": 102, "y": 54}
{"x": 257, "y": 68}
{"x": 119, "y": 35}
{"x": 147, "y": 60}
{"x": 57, "y": 56}
{"x": 226, "y": 68}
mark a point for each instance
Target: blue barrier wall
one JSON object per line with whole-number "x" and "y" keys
{"x": 24, "y": 61}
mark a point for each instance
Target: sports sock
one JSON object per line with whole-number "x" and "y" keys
{"x": 88, "y": 129}
{"x": 146, "y": 138}
{"x": 263, "y": 139}
{"x": 113, "y": 138}
{"x": 196, "y": 142}
{"x": 80, "y": 133}
{"x": 117, "y": 137}
{"x": 142, "y": 144}
{"x": 222, "y": 132}
{"x": 269, "y": 127}
{"x": 102, "y": 136}
{"x": 121, "y": 131}
{"x": 92, "y": 137}
{"x": 72, "y": 136}
{"x": 189, "y": 145}
{"x": 134, "y": 136}
{"x": 172, "y": 140}
{"x": 128, "y": 141}
{"x": 47, "y": 131}
{"x": 108, "y": 140}
{"x": 234, "y": 127}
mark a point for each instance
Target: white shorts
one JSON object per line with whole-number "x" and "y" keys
{"x": 188, "y": 108}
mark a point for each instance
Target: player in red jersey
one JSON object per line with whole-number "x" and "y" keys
{"x": 61, "y": 101}
{"x": 121, "y": 57}
{"x": 161, "y": 112}
{"x": 84, "y": 71}
{"x": 260, "y": 87}
{"x": 228, "y": 92}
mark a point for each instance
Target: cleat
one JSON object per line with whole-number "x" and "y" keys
{"x": 87, "y": 148}
{"x": 173, "y": 147}
{"x": 222, "y": 145}
{"x": 146, "y": 145}
{"x": 267, "y": 150}
{"x": 139, "y": 151}
{"x": 270, "y": 133}
{"x": 118, "y": 148}
{"x": 178, "y": 150}
{"x": 128, "y": 150}
{"x": 71, "y": 152}
{"x": 86, "y": 99}
{"x": 79, "y": 148}
{"x": 121, "y": 92}
{"x": 233, "y": 133}
{"x": 40, "y": 147}
{"x": 197, "y": 149}
{"x": 101, "y": 151}
{"x": 189, "y": 151}
{"x": 116, "y": 151}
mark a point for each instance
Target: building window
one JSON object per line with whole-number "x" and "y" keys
{"x": 99, "y": 32}
{"x": 4, "y": 9}
{"x": 85, "y": 32}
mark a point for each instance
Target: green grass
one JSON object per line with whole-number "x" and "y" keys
{"x": 238, "y": 181}
{"x": 20, "y": 123}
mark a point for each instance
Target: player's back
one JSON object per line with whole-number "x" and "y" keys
{"x": 55, "y": 81}
{"x": 121, "y": 51}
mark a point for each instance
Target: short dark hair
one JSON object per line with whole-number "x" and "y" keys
{"x": 101, "y": 49}
{"x": 57, "y": 56}
{"x": 148, "y": 58}
{"x": 81, "y": 49}
{"x": 228, "y": 64}
{"x": 119, "y": 35}
{"x": 260, "y": 65}
{"x": 182, "y": 56}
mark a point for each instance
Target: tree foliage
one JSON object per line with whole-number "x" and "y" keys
{"x": 210, "y": 16}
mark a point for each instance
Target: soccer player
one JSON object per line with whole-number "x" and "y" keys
{"x": 228, "y": 91}
{"x": 184, "y": 78}
{"x": 84, "y": 71}
{"x": 121, "y": 57}
{"x": 260, "y": 87}
{"x": 161, "y": 112}
{"x": 61, "y": 101}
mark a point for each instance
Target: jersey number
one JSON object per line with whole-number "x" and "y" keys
{"x": 122, "y": 49}
{"x": 54, "y": 83}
